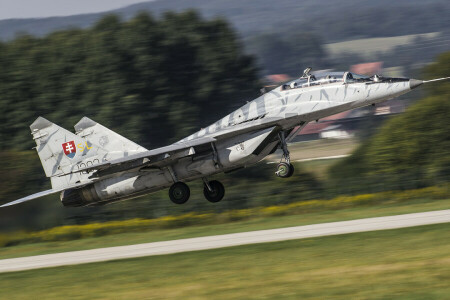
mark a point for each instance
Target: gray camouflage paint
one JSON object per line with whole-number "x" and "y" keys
{"x": 305, "y": 104}
{"x": 241, "y": 138}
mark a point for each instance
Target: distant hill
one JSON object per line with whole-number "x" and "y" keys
{"x": 333, "y": 20}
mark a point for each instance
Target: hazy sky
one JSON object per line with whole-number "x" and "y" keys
{"x": 47, "y": 8}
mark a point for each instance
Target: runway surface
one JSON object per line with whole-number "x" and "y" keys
{"x": 314, "y": 158}
{"x": 226, "y": 240}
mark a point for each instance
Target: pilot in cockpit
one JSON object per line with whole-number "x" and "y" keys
{"x": 311, "y": 80}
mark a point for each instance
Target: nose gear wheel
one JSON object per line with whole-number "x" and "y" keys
{"x": 284, "y": 170}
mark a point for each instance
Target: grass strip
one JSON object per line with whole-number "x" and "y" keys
{"x": 410, "y": 263}
{"x": 250, "y": 224}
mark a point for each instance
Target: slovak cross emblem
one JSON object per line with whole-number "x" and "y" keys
{"x": 69, "y": 149}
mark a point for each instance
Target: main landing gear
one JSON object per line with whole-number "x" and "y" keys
{"x": 284, "y": 169}
{"x": 213, "y": 190}
{"x": 179, "y": 192}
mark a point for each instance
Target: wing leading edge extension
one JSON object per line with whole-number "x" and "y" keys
{"x": 147, "y": 158}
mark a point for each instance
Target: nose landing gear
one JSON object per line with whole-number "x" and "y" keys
{"x": 284, "y": 169}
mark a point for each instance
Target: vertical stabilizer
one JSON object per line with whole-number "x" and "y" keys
{"x": 58, "y": 149}
{"x": 106, "y": 138}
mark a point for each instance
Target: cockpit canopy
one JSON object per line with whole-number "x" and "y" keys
{"x": 321, "y": 78}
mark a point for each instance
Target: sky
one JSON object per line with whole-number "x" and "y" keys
{"x": 47, "y": 8}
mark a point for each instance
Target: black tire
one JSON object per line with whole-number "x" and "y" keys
{"x": 291, "y": 170}
{"x": 179, "y": 193}
{"x": 285, "y": 170}
{"x": 217, "y": 193}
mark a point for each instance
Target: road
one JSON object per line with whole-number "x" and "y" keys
{"x": 226, "y": 240}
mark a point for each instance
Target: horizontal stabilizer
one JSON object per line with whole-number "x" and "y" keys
{"x": 40, "y": 194}
{"x": 30, "y": 197}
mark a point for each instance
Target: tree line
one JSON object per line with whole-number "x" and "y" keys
{"x": 152, "y": 80}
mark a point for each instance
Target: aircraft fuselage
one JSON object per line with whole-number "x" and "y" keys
{"x": 250, "y": 133}
{"x": 96, "y": 166}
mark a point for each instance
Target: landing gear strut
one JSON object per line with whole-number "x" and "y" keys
{"x": 213, "y": 190}
{"x": 284, "y": 169}
{"x": 179, "y": 192}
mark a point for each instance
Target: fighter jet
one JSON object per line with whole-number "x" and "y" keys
{"x": 96, "y": 166}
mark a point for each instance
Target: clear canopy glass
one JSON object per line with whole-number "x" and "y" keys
{"x": 322, "y": 78}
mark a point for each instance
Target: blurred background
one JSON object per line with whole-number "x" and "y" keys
{"x": 158, "y": 71}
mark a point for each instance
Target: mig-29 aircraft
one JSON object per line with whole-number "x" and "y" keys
{"x": 96, "y": 166}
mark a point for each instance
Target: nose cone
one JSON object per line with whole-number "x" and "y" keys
{"x": 413, "y": 83}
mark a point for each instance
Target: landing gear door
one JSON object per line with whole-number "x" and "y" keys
{"x": 239, "y": 149}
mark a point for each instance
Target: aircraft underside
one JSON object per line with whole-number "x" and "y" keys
{"x": 239, "y": 152}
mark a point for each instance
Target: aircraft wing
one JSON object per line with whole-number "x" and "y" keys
{"x": 147, "y": 158}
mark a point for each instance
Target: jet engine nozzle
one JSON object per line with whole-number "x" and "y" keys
{"x": 79, "y": 197}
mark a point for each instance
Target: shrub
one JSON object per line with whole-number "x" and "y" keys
{"x": 72, "y": 232}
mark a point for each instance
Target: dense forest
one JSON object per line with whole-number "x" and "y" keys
{"x": 154, "y": 81}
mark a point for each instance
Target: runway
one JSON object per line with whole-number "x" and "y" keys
{"x": 221, "y": 241}
{"x": 313, "y": 158}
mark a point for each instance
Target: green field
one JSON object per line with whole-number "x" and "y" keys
{"x": 411, "y": 263}
{"x": 371, "y": 46}
{"x": 319, "y": 168}
{"x": 319, "y": 148}
{"x": 239, "y": 226}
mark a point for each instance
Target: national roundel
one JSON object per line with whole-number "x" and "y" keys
{"x": 69, "y": 149}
